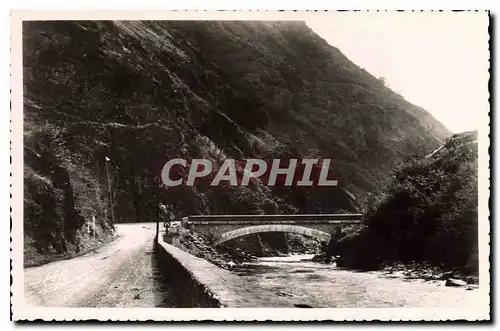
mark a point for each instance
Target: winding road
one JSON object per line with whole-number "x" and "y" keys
{"x": 120, "y": 274}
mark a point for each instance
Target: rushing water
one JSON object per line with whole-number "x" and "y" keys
{"x": 308, "y": 284}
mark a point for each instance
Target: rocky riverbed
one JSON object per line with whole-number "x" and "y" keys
{"x": 195, "y": 244}
{"x": 429, "y": 273}
{"x": 232, "y": 258}
{"x": 310, "y": 284}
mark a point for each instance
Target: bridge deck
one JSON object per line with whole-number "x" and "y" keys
{"x": 274, "y": 219}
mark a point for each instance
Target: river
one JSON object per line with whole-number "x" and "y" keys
{"x": 308, "y": 284}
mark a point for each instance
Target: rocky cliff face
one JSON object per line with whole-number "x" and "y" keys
{"x": 142, "y": 93}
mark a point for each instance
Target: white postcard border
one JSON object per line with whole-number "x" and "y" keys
{"x": 23, "y": 311}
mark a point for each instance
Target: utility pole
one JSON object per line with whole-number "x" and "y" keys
{"x": 157, "y": 220}
{"x": 109, "y": 189}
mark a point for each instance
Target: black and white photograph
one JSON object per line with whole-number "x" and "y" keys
{"x": 336, "y": 161}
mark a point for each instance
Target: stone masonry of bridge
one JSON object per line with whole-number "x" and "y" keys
{"x": 222, "y": 228}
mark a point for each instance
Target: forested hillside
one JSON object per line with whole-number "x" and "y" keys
{"x": 428, "y": 213}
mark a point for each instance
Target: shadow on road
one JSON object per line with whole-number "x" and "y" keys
{"x": 163, "y": 293}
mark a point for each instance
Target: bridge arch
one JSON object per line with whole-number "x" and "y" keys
{"x": 272, "y": 228}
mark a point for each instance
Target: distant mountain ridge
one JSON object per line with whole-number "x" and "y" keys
{"x": 143, "y": 92}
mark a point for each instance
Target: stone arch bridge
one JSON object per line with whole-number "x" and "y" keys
{"x": 222, "y": 228}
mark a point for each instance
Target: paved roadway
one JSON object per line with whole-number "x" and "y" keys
{"x": 120, "y": 274}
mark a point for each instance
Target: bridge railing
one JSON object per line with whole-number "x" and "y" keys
{"x": 269, "y": 219}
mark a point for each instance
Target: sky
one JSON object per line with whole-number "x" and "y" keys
{"x": 436, "y": 60}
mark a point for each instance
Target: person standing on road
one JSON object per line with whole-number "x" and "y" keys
{"x": 166, "y": 216}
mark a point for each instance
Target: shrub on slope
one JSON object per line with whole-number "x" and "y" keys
{"x": 428, "y": 212}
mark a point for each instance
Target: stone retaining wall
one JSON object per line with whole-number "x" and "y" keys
{"x": 196, "y": 282}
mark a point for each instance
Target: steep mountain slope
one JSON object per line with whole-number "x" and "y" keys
{"x": 142, "y": 93}
{"x": 428, "y": 213}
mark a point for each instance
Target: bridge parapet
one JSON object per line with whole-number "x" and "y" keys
{"x": 226, "y": 227}
{"x": 225, "y": 219}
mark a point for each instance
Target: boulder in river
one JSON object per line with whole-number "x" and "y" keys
{"x": 321, "y": 258}
{"x": 455, "y": 282}
{"x": 445, "y": 275}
